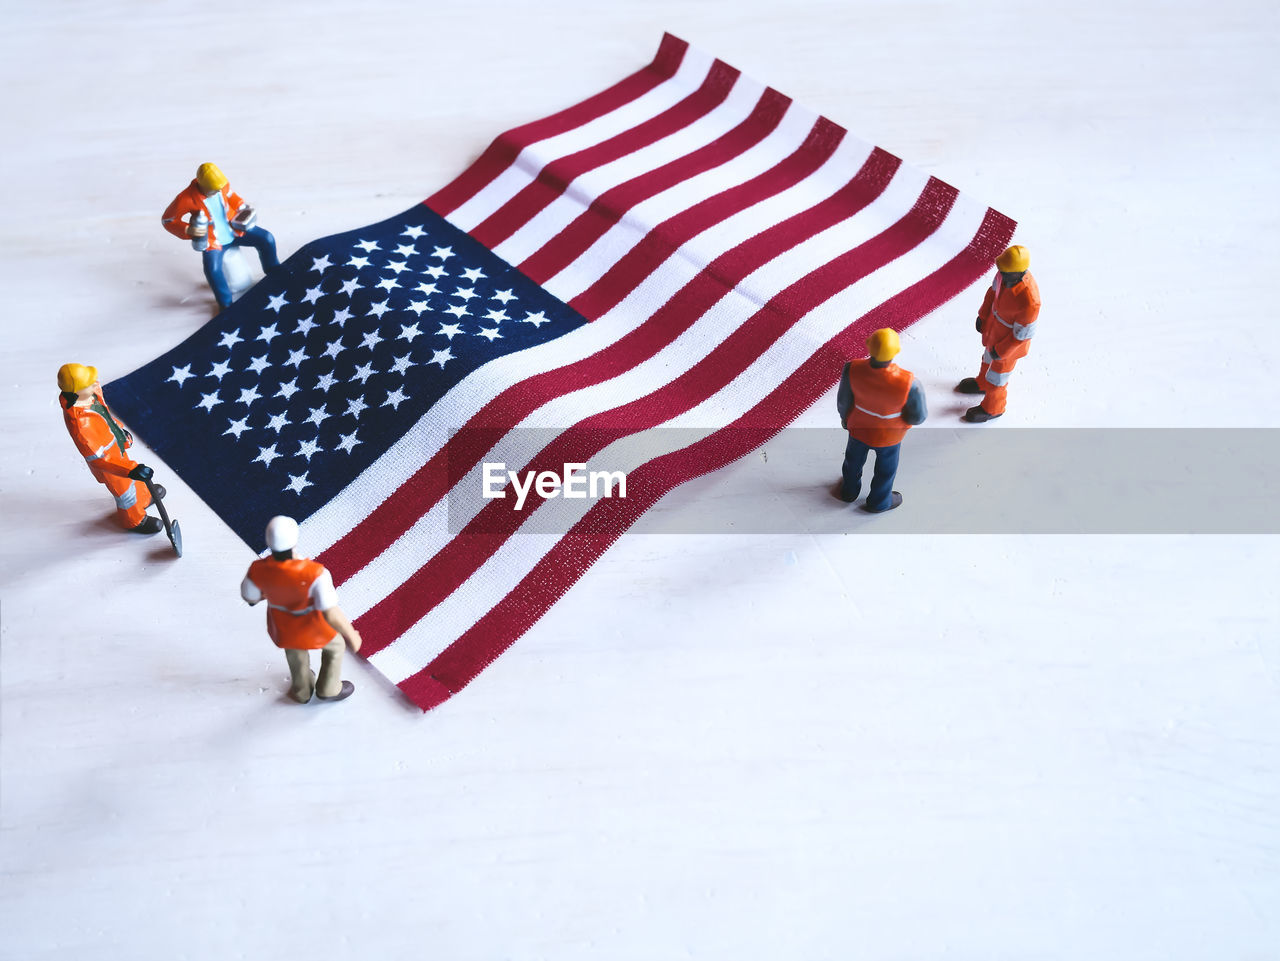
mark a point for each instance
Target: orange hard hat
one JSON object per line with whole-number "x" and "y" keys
{"x": 74, "y": 378}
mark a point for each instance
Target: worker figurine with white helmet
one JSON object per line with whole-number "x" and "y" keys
{"x": 1007, "y": 322}
{"x": 302, "y": 614}
{"x": 878, "y": 403}
{"x": 215, "y": 218}
{"x": 103, "y": 443}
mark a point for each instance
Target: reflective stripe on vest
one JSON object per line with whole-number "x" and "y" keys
{"x": 298, "y": 613}
{"x": 1020, "y": 331}
{"x": 874, "y": 414}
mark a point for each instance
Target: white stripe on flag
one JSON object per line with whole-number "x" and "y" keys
{"x": 500, "y": 573}
{"x": 578, "y": 195}
{"x": 638, "y": 222}
{"x": 692, "y": 71}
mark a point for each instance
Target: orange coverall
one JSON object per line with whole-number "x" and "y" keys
{"x": 1008, "y": 318}
{"x": 104, "y": 449}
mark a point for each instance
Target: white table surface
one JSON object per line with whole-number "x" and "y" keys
{"x": 792, "y": 746}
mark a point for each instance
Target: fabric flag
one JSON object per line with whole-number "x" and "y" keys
{"x": 687, "y": 249}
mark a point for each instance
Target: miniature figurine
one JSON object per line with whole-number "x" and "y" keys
{"x": 878, "y": 403}
{"x": 103, "y": 442}
{"x": 1007, "y": 323}
{"x": 302, "y": 614}
{"x": 217, "y": 219}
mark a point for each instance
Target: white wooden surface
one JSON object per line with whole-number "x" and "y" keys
{"x": 723, "y": 747}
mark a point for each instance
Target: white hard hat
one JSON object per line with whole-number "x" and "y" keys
{"x": 282, "y": 534}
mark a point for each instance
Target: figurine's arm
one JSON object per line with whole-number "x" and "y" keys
{"x": 844, "y": 396}
{"x": 325, "y": 599}
{"x": 985, "y": 312}
{"x": 339, "y": 622}
{"x": 249, "y": 591}
{"x": 1011, "y": 336}
{"x": 914, "y": 410}
{"x": 172, "y": 218}
{"x": 105, "y": 458}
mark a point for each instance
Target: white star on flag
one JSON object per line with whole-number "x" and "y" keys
{"x": 298, "y": 482}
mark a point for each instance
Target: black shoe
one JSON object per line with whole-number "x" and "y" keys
{"x": 159, "y": 492}
{"x": 976, "y": 415}
{"x": 837, "y": 491}
{"x": 894, "y": 502}
{"x": 347, "y": 689}
{"x": 968, "y": 386}
{"x": 149, "y": 525}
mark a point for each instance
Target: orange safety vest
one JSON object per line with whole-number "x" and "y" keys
{"x": 879, "y": 394}
{"x": 191, "y": 201}
{"x": 292, "y": 620}
{"x": 1008, "y": 317}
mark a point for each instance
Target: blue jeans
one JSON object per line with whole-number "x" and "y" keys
{"x": 254, "y": 237}
{"x": 855, "y": 458}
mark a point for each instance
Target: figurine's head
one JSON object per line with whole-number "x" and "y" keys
{"x": 1013, "y": 263}
{"x": 73, "y": 378}
{"x": 282, "y": 535}
{"x": 884, "y": 345}
{"x": 210, "y": 178}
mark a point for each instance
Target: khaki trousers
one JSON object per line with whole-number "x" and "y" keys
{"x": 305, "y": 682}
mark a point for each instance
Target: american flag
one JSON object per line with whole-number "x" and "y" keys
{"x": 687, "y": 249}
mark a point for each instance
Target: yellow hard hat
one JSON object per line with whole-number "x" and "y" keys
{"x": 884, "y": 345}
{"x": 1014, "y": 260}
{"x": 210, "y": 178}
{"x": 76, "y": 377}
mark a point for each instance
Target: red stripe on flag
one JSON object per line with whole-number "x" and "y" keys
{"x": 443, "y": 573}
{"x": 607, "y": 209}
{"x": 504, "y": 623}
{"x": 552, "y": 179}
{"x": 507, "y": 146}
{"x": 639, "y": 262}
{"x": 466, "y": 448}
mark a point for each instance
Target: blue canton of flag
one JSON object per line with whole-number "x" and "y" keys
{"x": 316, "y": 371}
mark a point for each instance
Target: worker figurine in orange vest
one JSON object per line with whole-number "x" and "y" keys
{"x": 214, "y": 218}
{"x": 1007, "y": 322}
{"x": 302, "y": 614}
{"x": 103, "y": 442}
{"x": 878, "y": 403}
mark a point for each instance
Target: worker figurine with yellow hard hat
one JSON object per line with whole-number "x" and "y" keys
{"x": 878, "y": 403}
{"x": 302, "y": 614}
{"x": 1007, "y": 322}
{"x": 214, "y": 218}
{"x": 103, "y": 442}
